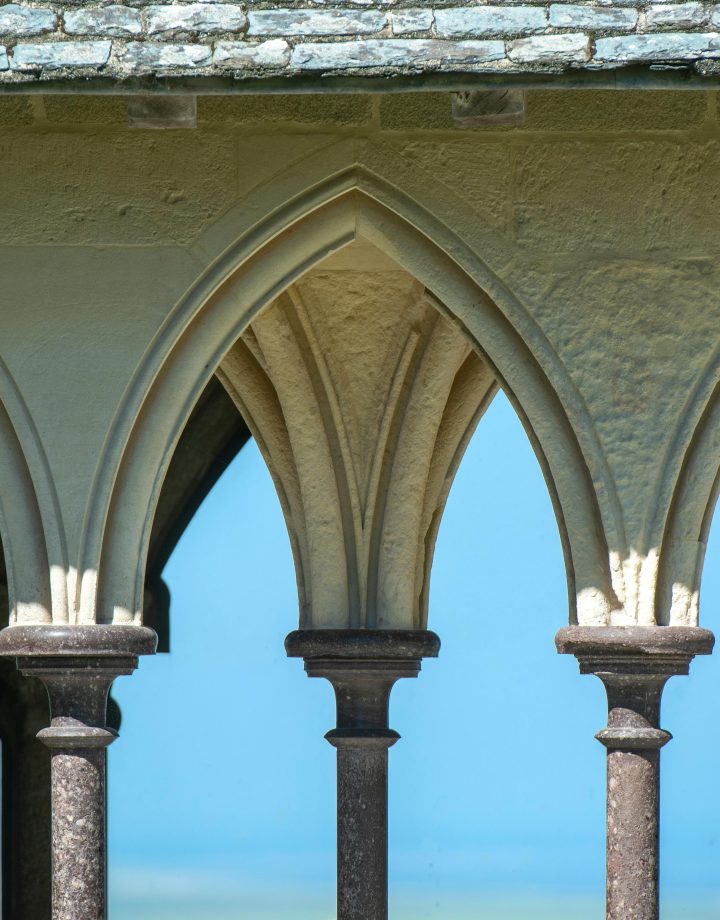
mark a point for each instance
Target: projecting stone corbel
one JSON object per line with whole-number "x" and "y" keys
{"x": 158, "y": 113}
{"x": 488, "y": 108}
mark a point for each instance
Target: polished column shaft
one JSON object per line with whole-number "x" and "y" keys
{"x": 77, "y": 665}
{"x": 362, "y": 666}
{"x": 634, "y": 663}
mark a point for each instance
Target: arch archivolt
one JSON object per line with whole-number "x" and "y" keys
{"x": 30, "y": 523}
{"x": 264, "y": 268}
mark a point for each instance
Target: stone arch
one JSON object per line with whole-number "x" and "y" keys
{"x": 691, "y": 510}
{"x": 201, "y": 331}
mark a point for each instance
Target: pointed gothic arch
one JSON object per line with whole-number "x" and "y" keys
{"x": 205, "y": 325}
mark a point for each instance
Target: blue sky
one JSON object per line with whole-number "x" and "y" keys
{"x": 222, "y": 787}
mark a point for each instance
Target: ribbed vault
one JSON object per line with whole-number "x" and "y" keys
{"x": 362, "y": 396}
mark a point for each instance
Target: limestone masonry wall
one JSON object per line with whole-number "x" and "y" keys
{"x": 124, "y": 41}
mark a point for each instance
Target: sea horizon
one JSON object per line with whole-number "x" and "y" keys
{"x": 191, "y": 896}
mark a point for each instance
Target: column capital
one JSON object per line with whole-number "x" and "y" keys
{"x": 60, "y": 640}
{"x": 363, "y": 666}
{"x": 77, "y": 665}
{"x": 362, "y": 644}
{"x": 655, "y": 651}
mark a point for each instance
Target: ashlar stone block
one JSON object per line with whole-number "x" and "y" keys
{"x": 115, "y": 21}
{"x": 19, "y": 20}
{"x": 195, "y": 17}
{"x": 567, "y": 48}
{"x": 273, "y": 53}
{"x": 57, "y": 55}
{"x": 676, "y": 15}
{"x": 140, "y": 55}
{"x": 415, "y": 20}
{"x": 316, "y": 22}
{"x": 582, "y": 16}
{"x": 673, "y": 46}
{"x": 490, "y": 20}
{"x": 393, "y": 53}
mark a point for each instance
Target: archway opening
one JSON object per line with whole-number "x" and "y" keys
{"x": 503, "y": 815}
{"x": 401, "y": 359}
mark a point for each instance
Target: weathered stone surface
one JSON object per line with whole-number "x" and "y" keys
{"x": 582, "y": 16}
{"x": 394, "y": 53}
{"x": 568, "y": 48}
{"x": 677, "y": 15}
{"x": 195, "y": 17}
{"x": 19, "y": 20}
{"x": 672, "y": 46}
{"x": 56, "y": 55}
{"x": 490, "y": 20}
{"x": 117, "y": 21}
{"x": 272, "y": 53}
{"x": 156, "y": 55}
{"x": 4, "y": 63}
{"x": 316, "y": 22}
{"x": 414, "y": 20}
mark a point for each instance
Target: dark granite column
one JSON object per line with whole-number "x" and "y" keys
{"x": 77, "y": 665}
{"x": 362, "y": 666}
{"x": 634, "y": 664}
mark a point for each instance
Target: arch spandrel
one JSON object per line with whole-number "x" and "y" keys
{"x": 246, "y": 280}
